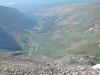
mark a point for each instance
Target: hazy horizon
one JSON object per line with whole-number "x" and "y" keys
{"x": 37, "y": 4}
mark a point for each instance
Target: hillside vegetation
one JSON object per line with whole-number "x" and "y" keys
{"x": 67, "y": 30}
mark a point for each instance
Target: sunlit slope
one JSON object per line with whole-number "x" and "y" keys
{"x": 70, "y": 30}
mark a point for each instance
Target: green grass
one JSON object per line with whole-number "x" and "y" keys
{"x": 68, "y": 38}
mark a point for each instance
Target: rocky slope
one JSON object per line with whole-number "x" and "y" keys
{"x": 14, "y": 66}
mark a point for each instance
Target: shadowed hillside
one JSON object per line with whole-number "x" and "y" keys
{"x": 12, "y": 25}
{"x": 13, "y": 19}
{"x": 7, "y": 41}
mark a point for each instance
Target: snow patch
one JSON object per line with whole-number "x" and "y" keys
{"x": 96, "y": 66}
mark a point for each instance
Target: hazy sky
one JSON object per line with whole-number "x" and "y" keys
{"x": 29, "y": 5}
{"x": 18, "y": 2}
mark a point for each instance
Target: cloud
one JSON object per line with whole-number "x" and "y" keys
{"x": 7, "y": 3}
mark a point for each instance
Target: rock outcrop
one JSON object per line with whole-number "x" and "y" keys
{"x": 84, "y": 60}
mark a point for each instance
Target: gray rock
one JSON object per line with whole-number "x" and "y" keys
{"x": 83, "y": 59}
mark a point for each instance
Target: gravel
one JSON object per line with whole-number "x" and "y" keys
{"x": 26, "y": 67}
